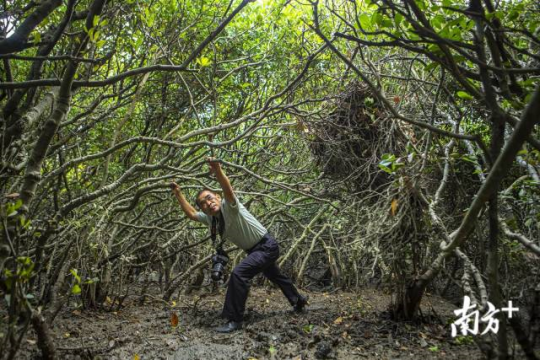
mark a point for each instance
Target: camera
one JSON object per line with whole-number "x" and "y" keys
{"x": 219, "y": 262}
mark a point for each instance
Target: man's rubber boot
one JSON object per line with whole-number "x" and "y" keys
{"x": 300, "y": 303}
{"x": 229, "y": 327}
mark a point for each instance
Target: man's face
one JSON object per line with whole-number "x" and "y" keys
{"x": 209, "y": 202}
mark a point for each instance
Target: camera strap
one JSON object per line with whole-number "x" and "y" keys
{"x": 218, "y": 226}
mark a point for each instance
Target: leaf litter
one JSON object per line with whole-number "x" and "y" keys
{"x": 340, "y": 325}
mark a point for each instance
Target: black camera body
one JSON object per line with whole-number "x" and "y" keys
{"x": 219, "y": 262}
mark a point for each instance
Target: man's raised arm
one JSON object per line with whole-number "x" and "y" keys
{"x": 223, "y": 180}
{"x": 184, "y": 204}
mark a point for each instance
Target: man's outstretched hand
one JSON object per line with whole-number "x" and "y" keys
{"x": 214, "y": 164}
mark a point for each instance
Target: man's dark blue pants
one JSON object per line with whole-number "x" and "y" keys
{"x": 261, "y": 258}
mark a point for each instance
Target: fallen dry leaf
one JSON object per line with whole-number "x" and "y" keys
{"x": 393, "y": 207}
{"x": 174, "y": 320}
{"x": 338, "y": 321}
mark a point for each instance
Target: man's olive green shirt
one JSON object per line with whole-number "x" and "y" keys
{"x": 241, "y": 227}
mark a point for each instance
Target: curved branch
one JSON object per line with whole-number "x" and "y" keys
{"x": 96, "y": 83}
{"x": 81, "y": 200}
{"x": 521, "y": 238}
{"x": 18, "y": 41}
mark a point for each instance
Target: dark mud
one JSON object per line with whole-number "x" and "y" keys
{"x": 339, "y": 325}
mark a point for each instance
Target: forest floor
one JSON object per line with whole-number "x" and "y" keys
{"x": 338, "y": 325}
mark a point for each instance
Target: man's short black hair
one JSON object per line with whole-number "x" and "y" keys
{"x": 200, "y": 192}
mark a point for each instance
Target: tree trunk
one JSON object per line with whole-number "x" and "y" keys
{"x": 45, "y": 341}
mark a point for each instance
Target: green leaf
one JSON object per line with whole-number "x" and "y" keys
{"x": 438, "y": 21}
{"x": 91, "y": 34}
{"x": 37, "y": 38}
{"x": 75, "y": 275}
{"x": 76, "y": 289}
{"x": 139, "y": 42}
{"x": 385, "y": 169}
{"x": 434, "y": 49}
{"x": 25, "y": 223}
{"x": 469, "y": 159}
{"x": 203, "y": 61}
{"x": 421, "y": 4}
{"x": 365, "y": 21}
{"x": 386, "y": 23}
{"x": 308, "y": 328}
{"x": 464, "y": 95}
{"x": 96, "y": 36}
{"x": 431, "y": 66}
{"x": 413, "y": 35}
{"x": 24, "y": 260}
{"x": 149, "y": 17}
{"x": 18, "y": 204}
{"x": 95, "y": 20}
{"x": 377, "y": 18}
{"x": 398, "y": 18}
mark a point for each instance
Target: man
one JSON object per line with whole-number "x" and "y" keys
{"x": 240, "y": 227}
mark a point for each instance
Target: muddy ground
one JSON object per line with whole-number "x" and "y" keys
{"x": 338, "y": 325}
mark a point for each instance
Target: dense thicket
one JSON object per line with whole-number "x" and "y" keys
{"x": 388, "y": 142}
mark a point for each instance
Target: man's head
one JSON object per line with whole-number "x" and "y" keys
{"x": 209, "y": 202}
